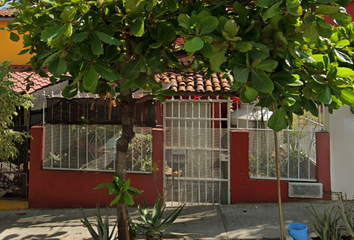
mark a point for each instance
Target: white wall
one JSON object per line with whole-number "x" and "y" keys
{"x": 341, "y": 128}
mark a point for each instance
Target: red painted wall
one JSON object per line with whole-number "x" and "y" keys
{"x": 72, "y": 189}
{"x": 244, "y": 189}
{"x": 323, "y": 168}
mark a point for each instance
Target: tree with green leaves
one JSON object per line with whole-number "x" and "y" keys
{"x": 282, "y": 52}
{"x": 11, "y": 103}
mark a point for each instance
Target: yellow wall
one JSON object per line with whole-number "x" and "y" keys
{"x": 9, "y": 50}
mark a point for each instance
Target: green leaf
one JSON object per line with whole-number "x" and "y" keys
{"x": 96, "y": 45}
{"x": 218, "y": 59}
{"x": 250, "y": 93}
{"x": 57, "y": 65}
{"x": 345, "y": 73}
{"x": 278, "y": 121}
{"x": 90, "y": 79}
{"x": 130, "y": 5}
{"x": 166, "y": 32}
{"x": 102, "y": 185}
{"x": 183, "y": 18}
{"x": 264, "y": 3}
{"x": 153, "y": 57}
{"x": 52, "y": 33}
{"x": 104, "y": 37}
{"x": 309, "y": 105}
{"x": 14, "y": 37}
{"x": 261, "y": 82}
{"x": 115, "y": 200}
{"x": 128, "y": 199}
{"x": 347, "y": 96}
{"x": 137, "y": 27}
{"x": 155, "y": 45}
{"x": 325, "y": 96}
{"x": 126, "y": 185}
{"x": 267, "y": 65}
{"x": 231, "y": 28}
{"x": 70, "y": 91}
{"x": 272, "y": 11}
{"x": 311, "y": 34}
{"x": 259, "y": 51}
{"x": 107, "y": 72}
{"x": 241, "y": 73}
{"x": 304, "y": 56}
{"x": 172, "y": 5}
{"x": 194, "y": 44}
{"x": 208, "y": 25}
{"x": 342, "y": 56}
{"x": 24, "y": 51}
{"x": 85, "y": 50}
{"x": 243, "y": 46}
{"x": 326, "y": 9}
{"x": 79, "y": 37}
{"x": 342, "y": 43}
{"x": 288, "y": 101}
{"x": 68, "y": 14}
{"x": 207, "y": 50}
{"x": 132, "y": 69}
{"x": 323, "y": 31}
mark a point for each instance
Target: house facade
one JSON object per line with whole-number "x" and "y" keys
{"x": 208, "y": 150}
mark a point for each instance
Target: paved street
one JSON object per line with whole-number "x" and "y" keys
{"x": 237, "y": 221}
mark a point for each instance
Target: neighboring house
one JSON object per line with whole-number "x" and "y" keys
{"x": 207, "y": 149}
{"x": 14, "y": 173}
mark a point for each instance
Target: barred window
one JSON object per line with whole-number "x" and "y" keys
{"x": 92, "y": 147}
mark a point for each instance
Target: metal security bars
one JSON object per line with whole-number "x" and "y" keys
{"x": 196, "y": 154}
{"x": 297, "y": 146}
{"x": 93, "y": 148}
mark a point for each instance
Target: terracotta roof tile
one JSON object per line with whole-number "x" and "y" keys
{"x": 7, "y": 13}
{"x": 179, "y": 82}
{"x": 194, "y": 82}
{"x": 20, "y": 82}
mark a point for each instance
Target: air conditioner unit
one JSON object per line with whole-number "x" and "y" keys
{"x": 305, "y": 190}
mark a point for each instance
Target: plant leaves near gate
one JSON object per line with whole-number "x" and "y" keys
{"x": 278, "y": 120}
{"x": 207, "y": 50}
{"x": 267, "y": 65}
{"x": 122, "y": 191}
{"x": 14, "y": 37}
{"x": 108, "y": 39}
{"x": 268, "y": 46}
{"x": 272, "y": 11}
{"x": 96, "y": 45}
{"x": 137, "y": 27}
{"x": 53, "y": 33}
{"x": 106, "y": 72}
{"x": 70, "y": 91}
{"x": 241, "y": 73}
{"x": 208, "y": 25}
{"x": 325, "y": 96}
{"x": 194, "y": 44}
{"x": 90, "y": 79}
{"x": 342, "y": 56}
{"x": 345, "y": 73}
{"x": 132, "y": 69}
{"x": 261, "y": 81}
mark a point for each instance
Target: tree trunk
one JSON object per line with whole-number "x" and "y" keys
{"x": 126, "y": 106}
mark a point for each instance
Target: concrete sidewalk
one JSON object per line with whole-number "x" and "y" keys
{"x": 237, "y": 221}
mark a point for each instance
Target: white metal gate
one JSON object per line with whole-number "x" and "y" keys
{"x": 196, "y": 151}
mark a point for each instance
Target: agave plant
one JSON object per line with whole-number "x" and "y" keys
{"x": 103, "y": 232}
{"x": 346, "y": 212}
{"x": 326, "y": 225}
{"x": 154, "y": 225}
